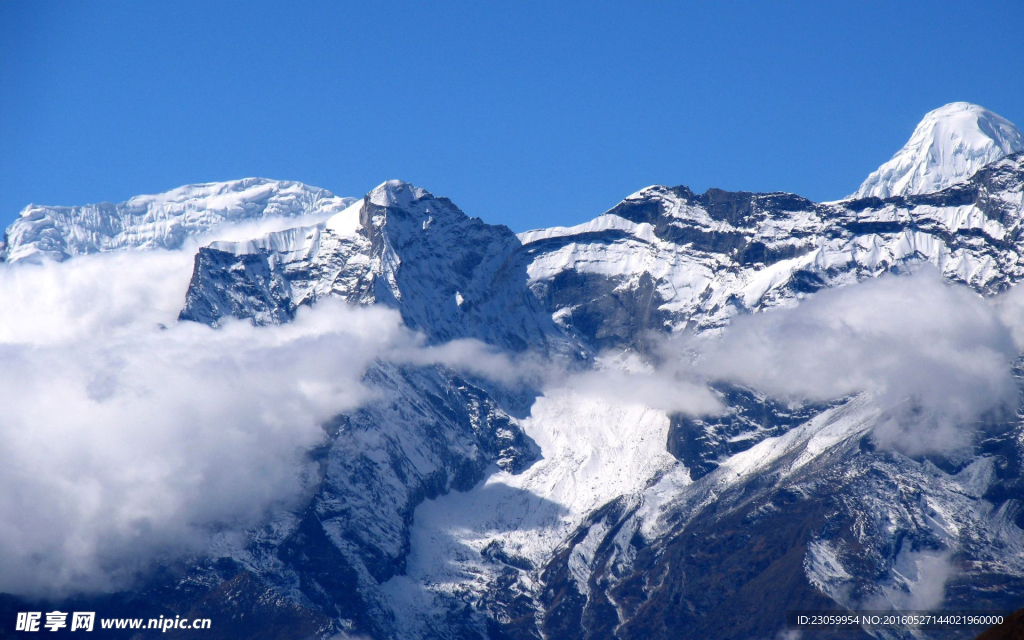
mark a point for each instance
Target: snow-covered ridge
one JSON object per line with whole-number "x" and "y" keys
{"x": 698, "y": 259}
{"x": 396, "y": 193}
{"x": 948, "y": 146}
{"x": 164, "y": 221}
{"x": 665, "y": 254}
{"x": 605, "y": 222}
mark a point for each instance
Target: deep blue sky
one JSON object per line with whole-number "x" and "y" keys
{"x": 525, "y": 113}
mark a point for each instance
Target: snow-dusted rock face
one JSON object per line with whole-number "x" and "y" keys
{"x": 813, "y": 519}
{"x": 430, "y": 433}
{"x": 666, "y": 259}
{"x": 162, "y": 221}
{"x": 948, "y": 146}
{"x": 451, "y": 276}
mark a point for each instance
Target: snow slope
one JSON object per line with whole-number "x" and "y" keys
{"x": 594, "y": 451}
{"x": 948, "y": 146}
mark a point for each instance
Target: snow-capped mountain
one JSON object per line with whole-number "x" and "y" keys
{"x": 667, "y": 260}
{"x": 456, "y": 507}
{"x": 948, "y": 146}
{"x": 162, "y": 221}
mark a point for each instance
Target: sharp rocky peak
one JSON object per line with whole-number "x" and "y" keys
{"x": 450, "y": 275}
{"x": 661, "y": 204}
{"x": 399, "y": 208}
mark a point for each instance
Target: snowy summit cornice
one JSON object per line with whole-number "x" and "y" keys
{"x": 949, "y": 145}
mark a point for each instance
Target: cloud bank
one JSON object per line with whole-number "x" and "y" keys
{"x": 936, "y": 357}
{"x": 129, "y": 438}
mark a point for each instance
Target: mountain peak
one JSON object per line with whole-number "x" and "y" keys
{"x": 396, "y": 193}
{"x": 948, "y": 146}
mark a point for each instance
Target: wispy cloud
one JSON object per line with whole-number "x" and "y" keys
{"x": 936, "y": 356}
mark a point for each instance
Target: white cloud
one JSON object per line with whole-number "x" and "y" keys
{"x": 475, "y": 357}
{"x": 90, "y": 298}
{"x": 673, "y": 390}
{"x": 1010, "y": 309}
{"x": 935, "y": 356}
{"x": 128, "y": 437}
{"x": 917, "y": 581}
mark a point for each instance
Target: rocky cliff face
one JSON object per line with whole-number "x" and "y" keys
{"x": 450, "y": 276}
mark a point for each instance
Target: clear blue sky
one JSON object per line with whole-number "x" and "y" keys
{"x": 524, "y": 113}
